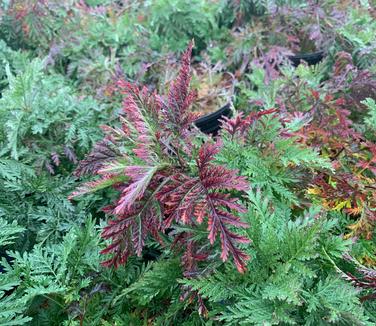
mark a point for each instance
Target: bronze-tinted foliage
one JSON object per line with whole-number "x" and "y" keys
{"x": 159, "y": 184}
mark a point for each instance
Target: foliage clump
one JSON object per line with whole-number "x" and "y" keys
{"x": 115, "y": 209}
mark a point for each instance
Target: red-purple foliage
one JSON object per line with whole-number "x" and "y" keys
{"x": 149, "y": 160}
{"x": 192, "y": 199}
{"x": 102, "y": 153}
{"x": 334, "y": 130}
{"x": 239, "y": 126}
{"x": 180, "y": 98}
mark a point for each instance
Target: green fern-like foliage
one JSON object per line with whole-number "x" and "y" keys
{"x": 289, "y": 280}
{"x": 271, "y": 161}
{"x": 50, "y": 272}
{"x": 38, "y": 202}
{"x": 155, "y": 282}
{"x": 64, "y": 284}
{"x": 8, "y": 232}
{"x": 361, "y": 41}
{"x": 44, "y": 129}
{"x": 11, "y": 311}
{"x": 43, "y": 120}
{"x": 50, "y": 277}
{"x": 370, "y": 119}
{"x": 175, "y": 23}
{"x": 15, "y": 59}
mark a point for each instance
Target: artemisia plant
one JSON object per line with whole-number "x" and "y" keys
{"x": 164, "y": 177}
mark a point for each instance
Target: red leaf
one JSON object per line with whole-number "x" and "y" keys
{"x": 141, "y": 176}
{"x": 148, "y": 161}
{"x": 187, "y": 198}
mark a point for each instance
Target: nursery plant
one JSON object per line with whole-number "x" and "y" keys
{"x": 45, "y": 128}
{"x": 148, "y": 179}
{"x": 162, "y": 199}
{"x": 169, "y": 176}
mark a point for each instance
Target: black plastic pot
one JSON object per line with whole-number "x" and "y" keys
{"x": 210, "y": 124}
{"x": 311, "y": 58}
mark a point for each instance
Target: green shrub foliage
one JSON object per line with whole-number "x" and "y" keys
{"x": 115, "y": 209}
